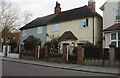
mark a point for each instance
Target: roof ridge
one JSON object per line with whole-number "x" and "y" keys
{"x": 72, "y": 14}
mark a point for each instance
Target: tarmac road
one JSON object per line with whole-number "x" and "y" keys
{"x": 20, "y": 69}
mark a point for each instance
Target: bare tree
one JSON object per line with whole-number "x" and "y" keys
{"x": 26, "y": 16}
{"x": 11, "y": 17}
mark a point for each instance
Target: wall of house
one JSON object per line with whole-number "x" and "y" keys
{"x": 107, "y": 40}
{"x": 109, "y": 14}
{"x": 83, "y": 34}
{"x": 34, "y": 32}
{"x": 97, "y": 29}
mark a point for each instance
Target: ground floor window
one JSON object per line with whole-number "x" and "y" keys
{"x": 115, "y": 38}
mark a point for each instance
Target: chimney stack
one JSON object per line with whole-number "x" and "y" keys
{"x": 57, "y": 8}
{"x": 91, "y": 4}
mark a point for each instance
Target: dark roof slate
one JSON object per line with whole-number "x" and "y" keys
{"x": 68, "y": 35}
{"x": 76, "y": 13}
{"x": 113, "y": 27}
{"x": 40, "y": 21}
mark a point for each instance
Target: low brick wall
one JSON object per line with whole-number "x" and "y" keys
{"x": 55, "y": 59}
{"x": 28, "y": 55}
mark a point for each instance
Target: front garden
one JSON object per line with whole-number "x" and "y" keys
{"x": 52, "y": 52}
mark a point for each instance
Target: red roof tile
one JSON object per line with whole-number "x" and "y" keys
{"x": 68, "y": 35}
{"x": 113, "y": 27}
{"x": 28, "y": 38}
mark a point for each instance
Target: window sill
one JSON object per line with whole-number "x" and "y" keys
{"x": 83, "y": 27}
{"x": 55, "y": 31}
{"x": 117, "y": 20}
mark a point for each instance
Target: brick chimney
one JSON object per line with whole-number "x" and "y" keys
{"x": 91, "y": 4}
{"x": 57, "y": 9}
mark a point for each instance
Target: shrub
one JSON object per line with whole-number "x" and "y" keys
{"x": 53, "y": 45}
{"x": 91, "y": 45}
{"x": 13, "y": 45}
{"x": 93, "y": 51}
{"x": 31, "y": 44}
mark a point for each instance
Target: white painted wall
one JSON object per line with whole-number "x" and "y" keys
{"x": 109, "y": 19}
{"x": 12, "y": 55}
{"x": 109, "y": 14}
{"x": 83, "y": 34}
{"x": 107, "y": 40}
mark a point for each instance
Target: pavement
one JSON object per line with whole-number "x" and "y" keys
{"x": 76, "y": 67}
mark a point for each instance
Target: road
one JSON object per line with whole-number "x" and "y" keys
{"x": 19, "y": 69}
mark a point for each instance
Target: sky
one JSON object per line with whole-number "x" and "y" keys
{"x": 40, "y": 8}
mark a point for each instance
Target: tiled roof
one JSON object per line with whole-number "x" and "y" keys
{"x": 68, "y": 35}
{"x": 77, "y": 13}
{"x": 28, "y": 38}
{"x": 113, "y": 27}
{"x": 40, "y": 21}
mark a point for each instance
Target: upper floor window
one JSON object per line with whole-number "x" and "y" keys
{"x": 117, "y": 15}
{"x": 55, "y": 27}
{"x": 40, "y": 30}
{"x": 24, "y": 32}
{"x": 83, "y": 23}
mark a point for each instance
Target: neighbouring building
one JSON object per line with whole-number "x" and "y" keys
{"x": 111, "y": 23}
{"x": 72, "y": 26}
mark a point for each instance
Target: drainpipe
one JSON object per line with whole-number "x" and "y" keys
{"x": 93, "y": 31}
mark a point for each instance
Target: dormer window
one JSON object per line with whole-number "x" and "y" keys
{"x": 83, "y": 23}
{"x": 117, "y": 15}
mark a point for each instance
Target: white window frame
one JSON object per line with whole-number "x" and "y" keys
{"x": 24, "y": 32}
{"x": 116, "y": 40}
{"x": 117, "y": 14}
{"x": 40, "y": 30}
{"x": 55, "y": 27}
{"x": 85, "y": 23}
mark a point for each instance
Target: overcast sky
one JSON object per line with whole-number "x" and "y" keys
{"x": 41, "y": 8}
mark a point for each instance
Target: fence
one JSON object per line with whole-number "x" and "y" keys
{"x": 92, "y": 53}
{"x": 117, "y": 54}
{"x": 96, "y": 56}
{"x": 28, "y": 54}
{"x": 89, "y": 56}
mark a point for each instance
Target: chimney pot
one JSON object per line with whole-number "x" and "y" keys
{"x": 57, "y": 9}
{"x": 91, "y": 4}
